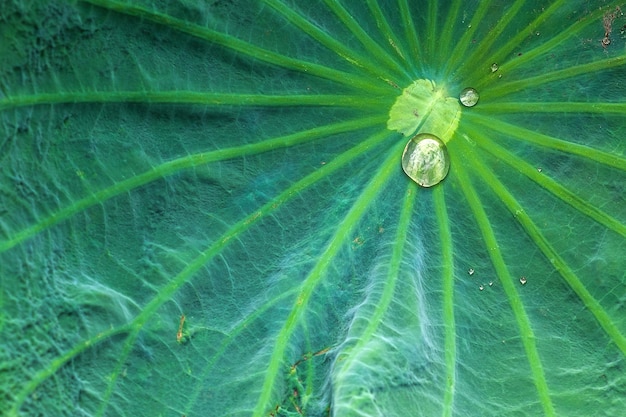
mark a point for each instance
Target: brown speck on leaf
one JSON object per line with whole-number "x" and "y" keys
{"x": 607, "y": 22}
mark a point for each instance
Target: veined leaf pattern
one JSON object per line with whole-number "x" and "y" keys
{"x": 203, "y": 210}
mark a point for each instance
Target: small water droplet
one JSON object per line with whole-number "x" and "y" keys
{"x": 522, "y": 280}
{"x": 469, "y": 97}
{"x": 539, "y": 169}
{"x": 491, "y": 283}
{"x": 470, "y": 271}
{"x": 481, "y": 287}
{"x": 425, "y": 160}
{"x": 494, "y": 67}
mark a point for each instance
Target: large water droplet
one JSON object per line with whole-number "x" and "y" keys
{"x": 469, "y": 97}
{"x": 425, "y": 160}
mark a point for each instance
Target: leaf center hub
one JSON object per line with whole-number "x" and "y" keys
{"x": 424, "y": 107}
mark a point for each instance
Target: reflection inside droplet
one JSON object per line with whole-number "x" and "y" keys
{"x": 425, "y": 160}
{"x": 469, "y": 97}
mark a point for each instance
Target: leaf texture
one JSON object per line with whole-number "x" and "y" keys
{"x": 203, "y": 210}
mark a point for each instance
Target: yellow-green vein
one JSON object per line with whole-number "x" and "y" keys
{"x": 432, "y": 31}
{"x": 196, "y": 98}
{"x": 476, "y": 60}
{"x": 449, "y": 26}
{"x": 526, "y": 332}
{"x": 382, "y": 305}
{"x": 354, "y": 58}
{"x": 514, "y": 42}
{"x": 386, "y": 30}
{"x": 410, "y": 33}
{"x": 194, "y": 266}
{"x": 447, "y": 261}
{"x": 244, "y": 324}
{"x": 556, "y": 189}
{"x": 554, "y": 107}
{"x": 339, "y": 239}
{"x": 506, "y": 88}
{"x": 551, "y": 255}
{"x": 546, "y": 141}
{"x": 353, "y": 26}
{"x": 190, "y": 161}
{"x": 245, "y": 48}
{"x": 571, "y": 32}
{"x": 57, "y": 363}
{"x": 453, "y": 63}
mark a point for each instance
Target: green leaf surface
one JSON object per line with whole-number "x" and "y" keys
{"x": 203, "y": 210}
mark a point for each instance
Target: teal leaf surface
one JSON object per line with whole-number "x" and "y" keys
{"x": 203, "y": 210}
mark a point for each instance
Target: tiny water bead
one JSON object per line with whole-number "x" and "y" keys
{"x": 425, "y": 160}
{"x": 469, "y": 97}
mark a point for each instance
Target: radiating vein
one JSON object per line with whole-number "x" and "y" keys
{"x": 526, "y": 332}
{"x": 453, "y": 63}
{"x": 449, "y": 26}
{"x": 36, "y": 379}
{"x": 190, "y": 161}
{"x": 376, "y": 51}
{"x": 410, "y": 33}
{"x": 432, "y": 30}
{"x": 557, "y": 107}
{"x": 245, "y": 48}
{"x": 476, "y": 60}
{"x": 344, "y": 228}
{"x": 601, "y": 316}
{"x": 243, "y": 324}
{"x": 193, "y": 98}
{"x": 386, "y": 30}
{"x": 165, "y": 294}
{"x": 518, "y": 39}
{"x": 246, "y": 323}
{"x": 554, "y": 41}
{"x": 382, "y": 305}
{"x": 530, "y": 136}
{"x": 506, "y": 88}
{"x": 556, "y": 189}
{"x": 447, "y": 260}
{"x": 334, "y": 45}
